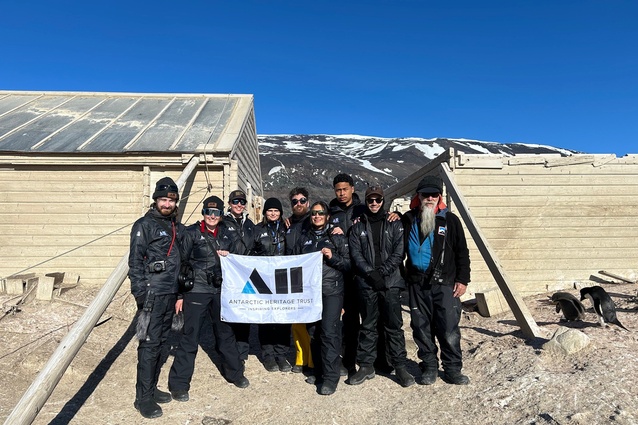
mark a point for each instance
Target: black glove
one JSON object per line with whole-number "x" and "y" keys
{"x": 217, "y": 282}
{"x": 376, "y": 281}
{"x": 139, "y": 300}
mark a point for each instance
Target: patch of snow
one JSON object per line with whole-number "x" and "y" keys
{"x": 274, "y": 170}
{"x": 378, "y": 149}
{"x": 430, "y": 151}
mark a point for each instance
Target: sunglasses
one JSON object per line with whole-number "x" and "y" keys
{"x": 374, "y": 200}
{"x": 317, "y": 212}
{"x": 212, "y": 211}
{"x": 294, "y": 202}
{"x": 238, "y": 202}
{"x": 430, "y": 195}
{"x": 169, "y": 187}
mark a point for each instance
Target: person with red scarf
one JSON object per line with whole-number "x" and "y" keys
{"x": 437, "y": 272}
{"x": 203, "y": 243}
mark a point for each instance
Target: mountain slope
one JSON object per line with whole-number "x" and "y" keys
{"x": 312, "y": 161}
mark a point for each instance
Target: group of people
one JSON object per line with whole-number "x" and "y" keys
{"x": 370, "y": 256}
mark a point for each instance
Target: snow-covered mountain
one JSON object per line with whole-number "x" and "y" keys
{"x": 312, "y": 161}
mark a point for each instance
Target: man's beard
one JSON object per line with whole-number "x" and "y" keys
{"x": 166, "y": 212}
{"x": 427, "y": 220}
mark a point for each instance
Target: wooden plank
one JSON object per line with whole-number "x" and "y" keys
{"x": 555, "y": 224}
{"x": 584, "y": 211}
{"x": 491, "y": 303}
{"x": 550, "y": 191}
{"x": 615, "y": 276}
{"x": 45, "y": 288}
{"x": 546, "y": 202}
{"x": 594, "y": 179}
{"x": 14, "y": 286}
{"x": 516, "y": 303}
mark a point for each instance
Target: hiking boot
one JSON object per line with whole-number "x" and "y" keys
{"x": 455, "y": 378}
{"x": 242, "y": 382}
{"x": 148, "y": 408}
{"x": 404, "y": 377}
{"x": 283, "y": 365}
{"x": 327, "y": 388}
{"x": 428, "y": 376}
{"x": 161, "y": 396}
{"x": 270, "y": 364}
{"x": 364, "y": 372}
{"x": 343, "y": 371}
{"x": 297, "y": 369}
{"x": 180, "y": 395}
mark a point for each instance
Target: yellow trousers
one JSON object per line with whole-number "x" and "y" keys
{"x": 302, "y": 343}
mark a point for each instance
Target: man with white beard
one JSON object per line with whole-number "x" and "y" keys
{"x": 437, "y": 272}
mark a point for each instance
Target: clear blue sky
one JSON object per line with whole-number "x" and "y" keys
{"x": 561, "y": 73}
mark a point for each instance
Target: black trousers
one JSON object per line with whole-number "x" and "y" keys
{"x": 274, "y": 339}
{"x": 150, "y": 350}
{"x": 387, "y": 306}
{"x": 435, "y": 313}
{"x": 351, "y": 321}
{"x": 325, "y": 343}
{"x": 197, "y": 306}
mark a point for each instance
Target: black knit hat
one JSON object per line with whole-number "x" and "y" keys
{"x": 166, "y": 188}
{"x": 213, "y": 202}
{"x": 273, "y": 203}
{"x": 430, "y": 184}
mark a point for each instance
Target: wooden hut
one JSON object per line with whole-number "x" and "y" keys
{"x": 550, "y": 221}
{"x": 77, "y": 169}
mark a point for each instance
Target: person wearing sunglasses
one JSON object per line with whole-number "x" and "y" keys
{"x": 297, "y": 222}
{"x": 376, "y": 251}
{"x": 437, "y": 272}
{"x": 154, "y": 265}
{"x": 270, "y": 240}
{"x": 204, "y": 242}
{"x": 326, "y": 334}
{"x": 242, "y": 229}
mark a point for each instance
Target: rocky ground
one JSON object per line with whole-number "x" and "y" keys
{"x": 514, "y": 381}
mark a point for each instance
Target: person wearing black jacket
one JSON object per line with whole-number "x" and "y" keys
{"x": 326, "y": 337}
{"x": 297, "y": 223}
{"x": 344, "y": 208}
{"x": 203, "y": 243}
{"x": 154, "y": 265}
{"x": 270, "y": 240}
{"x": 376, "y": 250}
{"x": 242, "y": 229}
{"x": 437, "y": 272}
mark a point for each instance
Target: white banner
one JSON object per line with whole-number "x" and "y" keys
{"x": 280, "y": 289}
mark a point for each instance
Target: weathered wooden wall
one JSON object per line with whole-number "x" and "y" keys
{"x": 87, "y": 209}
{"x": 552, "y": 220}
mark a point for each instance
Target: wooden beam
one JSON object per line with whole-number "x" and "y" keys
{"x": 41, "y": 388}
{"x": 615, "y": 276}
{"x": 517, "y": 305}
{"x": 409, "y": 184}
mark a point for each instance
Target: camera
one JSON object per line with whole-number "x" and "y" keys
{"x": 214, "y": 280}
{"x": 186, "y": 282}
{"x": 186, "y": 278}
{"x": 157, "y": 266}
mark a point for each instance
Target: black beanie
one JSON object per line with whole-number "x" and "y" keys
{"x": 166, "y": 188}
{"x": 273, "y": 203}
{"x": 213, "y": 202}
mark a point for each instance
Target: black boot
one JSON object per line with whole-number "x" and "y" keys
{"x": 161, "y": 396}
{"x": 148, "y": 408}
{"x": 404, "y": 377}
{"x": 428, "y": 376}
{"x": 364, "y": 372}
{"x": 456, "y": 378}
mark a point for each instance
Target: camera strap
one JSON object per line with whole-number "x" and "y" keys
{"x": 171, "y": 230}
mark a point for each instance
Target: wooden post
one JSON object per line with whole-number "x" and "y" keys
{"x": 41, "y": 388}
{"x": 523, "y": 316}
